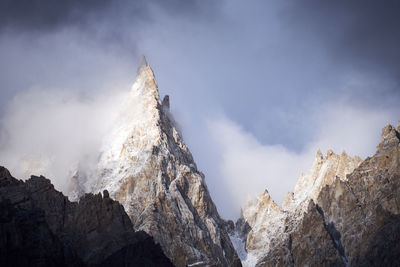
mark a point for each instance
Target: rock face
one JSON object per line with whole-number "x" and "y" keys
{"x": 344, "y": 212}
{"x": 323, "y": 172}
{"x": 146, "y": 166}
{"x": 264, "y": 219}
{"x": 40, "y": 227}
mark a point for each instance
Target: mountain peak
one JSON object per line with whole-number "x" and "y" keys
{"x": 147, "y": 167}
{"x": 319, "y": 155}
{"x": 145, "y": 78}
{"x": 145, "y": 69}
{"x": 143, "y": 62}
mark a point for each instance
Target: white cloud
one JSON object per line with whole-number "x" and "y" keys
{"x": 355, "y": 130}
{"x": 47, "y": 132}
{"x": 247, "y": 167}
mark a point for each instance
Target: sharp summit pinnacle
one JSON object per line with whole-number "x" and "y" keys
{"x": 144, "y": 62}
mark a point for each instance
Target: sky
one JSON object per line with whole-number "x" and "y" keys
{"x": 256, "y": 86}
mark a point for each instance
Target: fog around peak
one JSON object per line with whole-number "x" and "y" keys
{"x": 270, "y": 80}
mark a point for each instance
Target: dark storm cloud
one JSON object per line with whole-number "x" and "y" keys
{"x": 43, "y": 41}
{"x": 47, "y": 14}
{"x": 363, "y": 34}
{"x": 43, "y": 15}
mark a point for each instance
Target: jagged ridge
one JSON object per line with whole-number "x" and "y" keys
{"x": 343, "y": 212}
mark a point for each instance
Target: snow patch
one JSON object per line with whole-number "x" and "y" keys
{"x": 239, "y": 244}
{"x": 247, "y": 259}
{"x": 196, "y": 263}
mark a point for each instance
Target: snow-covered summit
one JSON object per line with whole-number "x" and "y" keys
{"x": 134, "y": 133}
{"x": 146, "y": 166}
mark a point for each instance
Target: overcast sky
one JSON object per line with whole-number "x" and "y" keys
{"x": 256, "y": 86}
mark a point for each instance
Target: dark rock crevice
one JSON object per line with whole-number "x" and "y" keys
{"x": 335, "y": 236}
{"x": 291, "y": 259}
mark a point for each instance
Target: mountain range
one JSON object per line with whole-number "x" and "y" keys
{"x": 147, "y": 204}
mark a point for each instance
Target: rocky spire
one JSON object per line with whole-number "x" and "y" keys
{"x": 264, "y": 218}
{"x": 390, "y": 137}
{"x": 165, "y": 102}
{"x": 143, "y": 62}
{"x": 319, "y": 155}
{"x": 147, "y": 167}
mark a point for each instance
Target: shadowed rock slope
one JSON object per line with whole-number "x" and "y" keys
{"x": 40, "y": 227}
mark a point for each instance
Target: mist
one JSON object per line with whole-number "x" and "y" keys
{"x": 54, "y": 133}
{"x": 256, "y": 84}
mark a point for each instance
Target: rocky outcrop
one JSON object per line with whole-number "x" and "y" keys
{"x": 147, "y": 167}
{"x": 324, "y": 170}
{"x": 344, "y": 212}
{"x": 41, "y": 227}
{"x": 264, "y": 219}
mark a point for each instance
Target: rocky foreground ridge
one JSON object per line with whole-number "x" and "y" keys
{"x": 344, "y": 212}
{"x": 39, "y": 226}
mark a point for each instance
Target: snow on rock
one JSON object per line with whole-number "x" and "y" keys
{"x": 147, "y": 167}
{"x": 344, "y": 212}
{"x": 247, "y": 259}
{"x": 323, "y": 171}
{"x": 268, "y": 221}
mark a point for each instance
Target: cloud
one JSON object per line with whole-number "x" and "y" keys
{"x": 359, "y": 34}
{"x": 81, "y": 44}
{"x": 245, "y": 167}
{"x": 354, "y": 129}
{"x": 52, "y": 133}
{"x": 46, "y": 15}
